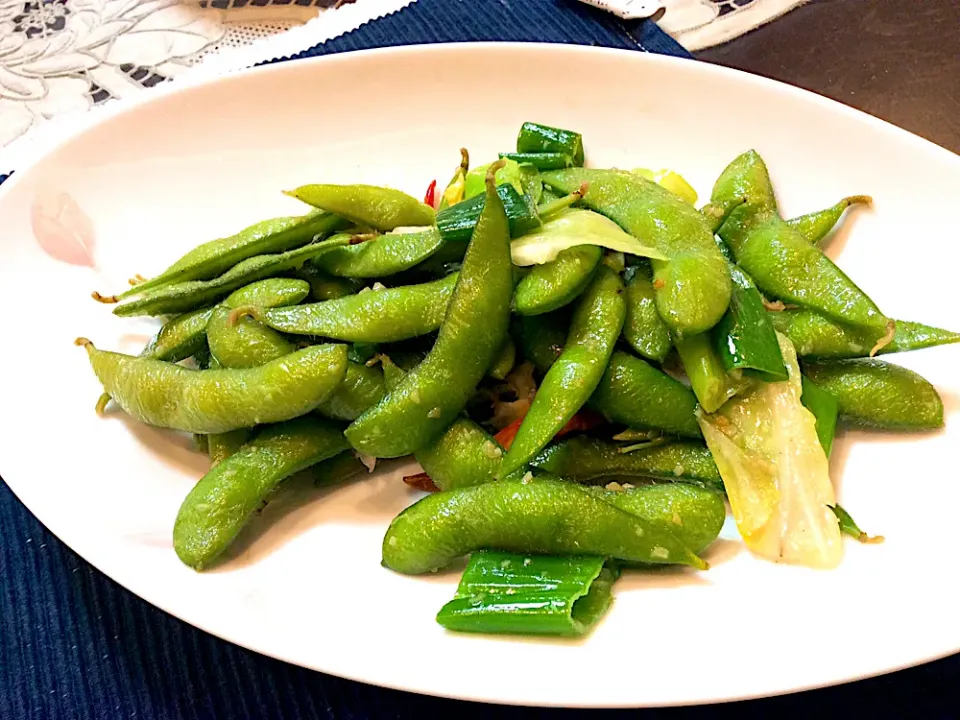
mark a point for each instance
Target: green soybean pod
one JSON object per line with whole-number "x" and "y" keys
{"x": 340, "y": 468}
{"x": 710, "y": 381}
{"x": 817, "y": 225}
{"x": 391, "y": 254}
{"x": 693, "y": 287}
{"x": 215, "y": 401}
{"x": 556, "y": 283}
{"x": 504, "y": 361}
{"x": 644, "y": 330}
{"x": 779, "y": 259}
{"x": 693, "y": 514}
{"x": 540, "y": 338}
{"x": 428, "y": 399}
{"x": 217, "y": 256}
{"x": 224, "y": 499}
{"x": 245, "y": 343}
{"x": 588, "y": 460}
{"x": 184, "y": 296}
{"x": 248, "y": 343}
{"x": 379, "y": 208}
{"x": 361, "y": 389}
{"x": 874, "y": 393}
{"x": 463, "y": 456}
{"x": 541, "y": 516}
{"x": 180, "y": 337}
{"x": 272, "y": 292}
{"x": 374, "y": 316}
{"x": 816, "y": 336}
{"x": 634, "y": 393}
{"x": 220, "y": 446}
{"x": 594, "y": 329}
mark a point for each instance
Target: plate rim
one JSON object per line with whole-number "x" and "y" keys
{"x": 159, "y": 95}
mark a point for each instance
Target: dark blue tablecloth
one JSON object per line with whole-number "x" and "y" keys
{"x": 75, "y": 645}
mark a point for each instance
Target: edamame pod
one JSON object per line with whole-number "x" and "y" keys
{"x": 245, "y": 343}
{"x": 463, "y": 456}
{"x": 594, "y": 329}
{"x": 816, "y": 336}
{"x": 554, "y": 284}
{"x": 217, "y": 256}
{"x": 816, "y": 226}
{"x": 693, "y": 287}
{"x": 374, "y": 316}
{"x": 585, "y": 459}
{"x": 711, "y": 382}
{"x": 361, "y": 389}
{"x": 272, "y": 292}
{"x": 223, "y": 501}
{"x": 391, "y": 254}
{"x": 541, "y": 516}
{"x": 183, "y": 296}
{"x": 324, "y": 286}
{"x": 427, "y": 400}
{"x": 180, "y": 337}
{"x": 779, "y": 259}
{"x": 220, "y": 446}
{"x": 380, "y": 208}
{"x": 644, "y": 330}
{"x": 339, "y": 468}
{"x": 215, "y": 401}
{"x": 249, "y": 343}
{"x": 634, "y": 393}
{"x": 694, "y": 515}
{"x": 873, "y": 393}
{"x": 540, "y": 338}
{"x": 504, "y": 361}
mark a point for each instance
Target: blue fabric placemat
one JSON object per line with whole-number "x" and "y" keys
{"x": 75, "y": 645}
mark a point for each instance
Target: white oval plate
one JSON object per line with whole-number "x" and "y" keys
{"x": 306, "y": 585}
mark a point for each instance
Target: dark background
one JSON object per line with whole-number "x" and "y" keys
{"x": 896, "y": 59}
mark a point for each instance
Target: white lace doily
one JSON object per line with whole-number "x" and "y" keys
{"x": 62, "y": 60}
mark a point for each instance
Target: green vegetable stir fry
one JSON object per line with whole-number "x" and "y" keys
{"x": 584, "y": 364}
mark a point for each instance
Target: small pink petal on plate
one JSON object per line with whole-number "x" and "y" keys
{"x": 62, "y": 229}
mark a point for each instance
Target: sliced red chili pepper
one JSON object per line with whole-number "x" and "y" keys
{"x": 505, "y": 437}
{"x": 583, "y": 420}
{"x": 431, "y": 196}
{"x": 421, "y": 481}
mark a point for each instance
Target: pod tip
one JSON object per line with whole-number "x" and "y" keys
{"x": 106, "y": 299}
{"x": 492, "y": 173}
{"x": 83, "y": 342}
{"x": 102, "y": 403}
{"x": 237, "y": 314}
{"x": 886, "y": 339}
